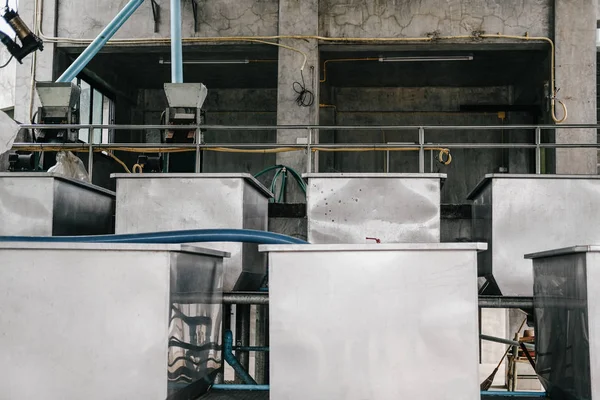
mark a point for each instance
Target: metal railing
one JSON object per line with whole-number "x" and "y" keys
{"x": 310, "y": 144}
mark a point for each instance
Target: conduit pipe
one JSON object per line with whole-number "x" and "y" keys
{"x": 176, "y": 46}
{"x": 169, "y": 237}
{"x": 232, "y": 361}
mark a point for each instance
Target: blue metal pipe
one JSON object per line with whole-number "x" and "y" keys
{"x": 104, "y": 36}
{"x": 241, "y": 387}
{"x": 176, "y": 47}
{"x": 185, "y": 236}
{"x": 231, "y": 360}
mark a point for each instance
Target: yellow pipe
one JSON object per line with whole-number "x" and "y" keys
{"x": 138, "y": 167}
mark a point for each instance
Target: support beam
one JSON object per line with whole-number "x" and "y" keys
{"x": 575, "y": 39}
{"x": 297, "y": 18}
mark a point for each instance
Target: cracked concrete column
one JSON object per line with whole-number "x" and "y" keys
{"x": 575, "y": 38}
{"x": 44, "y": 61}
{"x": 297, "y": 17}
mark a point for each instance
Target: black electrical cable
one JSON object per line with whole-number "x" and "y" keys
{"x": 8, "y": 62}
{"x": 305, "y": 97}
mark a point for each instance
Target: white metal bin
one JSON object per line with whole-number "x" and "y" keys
{"x": 566, "y": 290}
{"x": 168, "y": 202}
{"x": 108, "y": 321}
{"x": 394, "y": 208}
{"x": 385, "y": 322}
{"x": 521, "y": 214}
{"x": 42, "y": 204}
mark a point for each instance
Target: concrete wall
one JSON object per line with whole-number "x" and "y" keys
{"x": 85, "y": 19}
{"x": 8, "y": 76}
{"x": 410, "y": 18}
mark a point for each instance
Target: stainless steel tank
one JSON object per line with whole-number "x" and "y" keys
{"x": 42, "y": 204}
{"x": 385, "y": 322}
{"x": 394, "y": 208}
{"x": 108, "y": 321}
{"x": 520, "y": 214}
{"x": 566, "y": 292}
{"x": 166, "y": 202}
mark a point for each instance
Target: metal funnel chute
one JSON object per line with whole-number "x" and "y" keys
{"x": 188, "y": 95}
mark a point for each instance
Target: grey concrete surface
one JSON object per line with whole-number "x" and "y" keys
{"x": 297, "y": 18}
{"x": 575, "y": 37}
{"x": 215, "y": 18}
{"x": 409, "y": 18}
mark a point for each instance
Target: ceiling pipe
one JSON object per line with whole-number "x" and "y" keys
{"x": 176, "y": 46}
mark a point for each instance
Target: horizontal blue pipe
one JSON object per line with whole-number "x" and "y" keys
{"x": 108, "y": 32}
{"x": 241, "y": 387}
{"x": 514, "y": 394}
{"x": 170, "y": 237}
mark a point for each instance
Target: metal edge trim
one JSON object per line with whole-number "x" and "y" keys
{"x": 563, "y": 251}
{"x": 62, "y": 246}
{"x": 76, "y": 182}
{"x": 374, "y": 175}
{"x": 478, "y": 246}
{"x": 192, "y": 175}
{"x": 489, "y": 177}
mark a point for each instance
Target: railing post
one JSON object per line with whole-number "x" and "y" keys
{"x": 538, "y": 150}
{"x": 91, "y": 161}
{"x": 309, "y": 152}
{"x": 421, "y": 150}
{"x": 198, "y": 164}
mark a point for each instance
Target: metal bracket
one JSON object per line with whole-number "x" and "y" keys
{"x": 155, "y": 15}
{"x": 195, "y": 12}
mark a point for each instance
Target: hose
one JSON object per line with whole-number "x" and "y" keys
{"x": 169, "y": 237}
{"x": 229, "y": 357}
{"x": 282, "y": 170}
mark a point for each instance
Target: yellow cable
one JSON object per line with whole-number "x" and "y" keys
{"x": 263, "y": 151}
{"x": 138, "y": 168}
{"x": 119, "y": 161}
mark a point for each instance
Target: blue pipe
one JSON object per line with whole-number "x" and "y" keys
{"x": 231, "y": 360}
{"x": 176, "y": 47}
{"x": 498, "y": 393}
{"x": 241, "y": 387}
{"x": 186, "y": 236}
{"x": 104, "y": 36}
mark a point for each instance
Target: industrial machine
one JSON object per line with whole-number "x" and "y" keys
{"x": 29, "y": 41}
{"x": 185, "y": 108}
{"x": 59, "y": 106}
